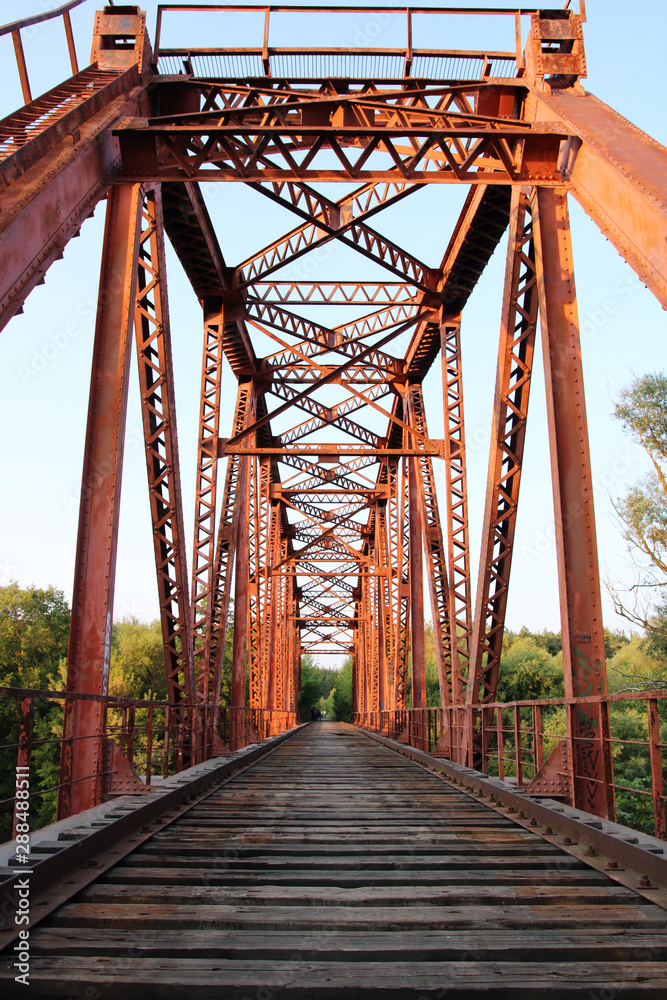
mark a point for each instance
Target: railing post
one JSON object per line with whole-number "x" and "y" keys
{"x": 657, "y": 784}
{"x": 470, "y": 722}
{"x": 165, "y": 758}
{"x": 70, "y": 42}
{"x": 129, "y": 745}
{"x": 517, "y": 745}
{"x": 23, "y": 69}
{"x": 538, "y": 744}
{"x": 501, "y": 748}
{"x": 24, "y": 754}
{"x": 149, "y": 746}
{"x": 123, "y": 731}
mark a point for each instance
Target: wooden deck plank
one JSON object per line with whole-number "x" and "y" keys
{"x": 335, "y": 869}
{"x": 130, "y": 978}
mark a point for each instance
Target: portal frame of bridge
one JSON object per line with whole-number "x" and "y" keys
{"x": 347, "y": 576}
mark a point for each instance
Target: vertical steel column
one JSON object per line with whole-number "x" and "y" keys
{"x": 394, "y": 577}
{"x": 434, "y": 551}
{"x": 457, "y": 506}
{"x": 203, "y": 551}
{"x": 416, "y": 570}
{"x": 156, "y": 387}
{"x": 240, "y": 638}
{"x": 259, "y": 592}
{"x": 230, "y": 515}
{"x": 82, "y": 764}
{"x": 510, "y": 412}
{"x": 576, "y": 544}
{"x": 383, "y": 602}
{"x": 399, "y": 552}
{"x": 282, "y": 613}
{"x": 271, "y": 611}
{"x": 372, "y": 632}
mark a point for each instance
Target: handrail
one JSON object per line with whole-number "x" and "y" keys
{"x": 408, "y": 11}
{"x": 25, "y": 22}
{"x": 14, "y": 28}
{"x": 519, "y": 749}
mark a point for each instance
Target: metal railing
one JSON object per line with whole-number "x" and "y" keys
{"x": 514, "y": 739}
{"x": 14, "y": 28}
{"x": 31, "y": 739}
{"x": 394, "y": 62}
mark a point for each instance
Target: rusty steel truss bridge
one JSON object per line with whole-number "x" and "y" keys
{"x": 316, "y": 511}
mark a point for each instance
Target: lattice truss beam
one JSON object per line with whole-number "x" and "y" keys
{"x": 415, "y": 132}
{"x": 329, "y": 422}
{"x": 329, "y": 503}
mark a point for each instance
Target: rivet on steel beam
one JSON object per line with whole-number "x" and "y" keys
{"x": 590, "y": 852}
{"x": 549, "y": 832}
{"x": 567, "y": 841}
{"x": 522, "y": 814}
{"x": 645, "y": 883}
{"x": 534, "y": 822}
{"x": 614, "y": 866}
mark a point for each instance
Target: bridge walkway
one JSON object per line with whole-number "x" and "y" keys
{"x": 333, "y": 867}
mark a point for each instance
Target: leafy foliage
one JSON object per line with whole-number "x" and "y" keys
{"x": 137, "y": 660}
{"x": 528, "y": 671}
{"x": 342, "y": 695}
{"x": 34, "y": 632}
{"x": 316, "y": 684}
{"x": 642, "y": 512}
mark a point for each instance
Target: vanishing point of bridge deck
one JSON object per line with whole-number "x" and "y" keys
{"x": 334, "y": 867}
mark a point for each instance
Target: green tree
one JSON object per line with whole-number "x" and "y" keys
{"x": 137, "y": 660}
{"x": 431, "y": 668}
{"x": 34, "y": 632}
{"x": 316, "y": 683}
{"x": 342, "y": 696}
{"x": 642, "y": 511}
{"x": 527, "y": 671}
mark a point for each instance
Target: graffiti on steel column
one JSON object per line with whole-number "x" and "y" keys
{"x": 585, "y": 672}
{"x": 589, "y": 679}
{"x": 588, "y": 753}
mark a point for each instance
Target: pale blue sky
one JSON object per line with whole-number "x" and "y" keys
{"x": 45, "y": 354}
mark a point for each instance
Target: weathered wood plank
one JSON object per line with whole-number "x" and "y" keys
{"x": 335, "y": 869}
{"x": 550, "y": 945}
{"x": 130, "y": 978}
{"x": 358, "y": 918}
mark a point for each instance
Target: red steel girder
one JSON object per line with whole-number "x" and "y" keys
{"x": 88, "y": 659}
{"x": 616, "y": 172}
{"x": 46, "y": 206}
{"x": 457, "y": 507}
{"x": 349, "y": 293}
{"x": 156, "y": 386}
{"x": 436, "y": 561}
{"x": 510, "y": 411}
{"x": 231, "y": 515}
{"x": 342, "y": 220}
{"x": 203, "y": 551}
{"x": 576, "y": 545}
{"x": 266, "y": 143}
